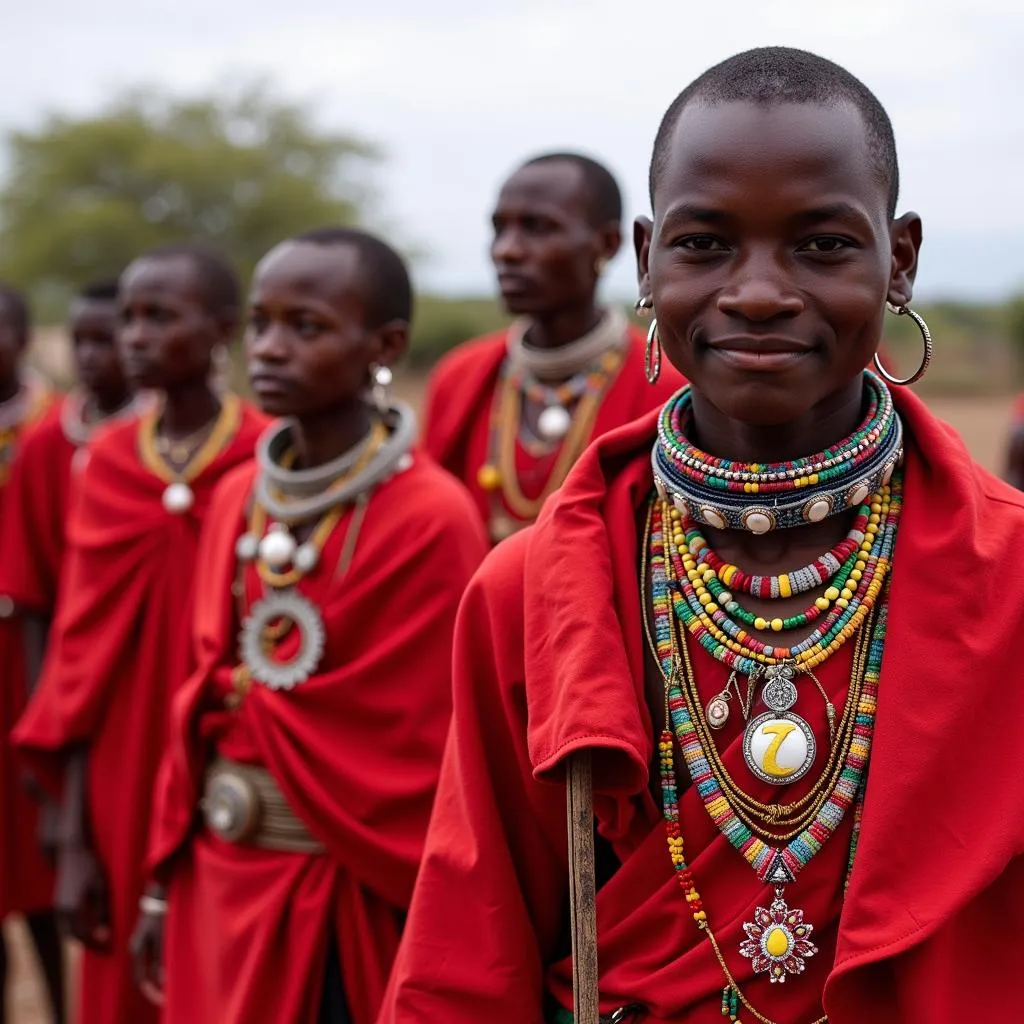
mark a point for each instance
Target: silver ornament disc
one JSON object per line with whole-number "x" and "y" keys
{"x": 247, "y": 547}
{"x": 554, "y": 422}
{"x": 779, "y": 747}
{"x": 293, "y": 607}
{"x": 277, "y": 548}
{"x": 178, "y": 498}
{"x": 779, "y": 693}
{"x": 306, "y": 558}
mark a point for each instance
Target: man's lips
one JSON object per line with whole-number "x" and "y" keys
{"x": 760, "y": 353}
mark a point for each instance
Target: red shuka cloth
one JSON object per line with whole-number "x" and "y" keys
{"x": 356, "y": 750}
{"x": 460, "y": 401}
{"x": 930, "y": 929}
{"x": 26, "y": 880}
{"x": 119, "y": 649}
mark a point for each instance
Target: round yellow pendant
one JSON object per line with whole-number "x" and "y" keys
{"x": 489, "y": 478}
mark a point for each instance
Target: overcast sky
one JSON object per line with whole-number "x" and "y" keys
{"x": 458, "y": 92}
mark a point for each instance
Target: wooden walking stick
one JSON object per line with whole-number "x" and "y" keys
{"x": 582, "y": 888}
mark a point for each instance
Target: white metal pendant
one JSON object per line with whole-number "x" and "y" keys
{"x": 554, "y": 422}
{"x": 178, "y": 498}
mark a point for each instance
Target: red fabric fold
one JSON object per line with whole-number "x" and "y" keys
{"x": 26, "y": 880}
{"x": 548, "y": 658}
{"x": 119, "y": 649}
{"x": 356, "y": 750}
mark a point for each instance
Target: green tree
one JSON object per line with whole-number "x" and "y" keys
{"x": 83, "y": 196}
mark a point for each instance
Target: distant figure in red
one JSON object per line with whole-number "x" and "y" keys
{"x": 119, "y": 645}
{"x": 304, "y": 754}
{"x": 26, "y": 879}
{"x": 1014, "y": 470}
{"x": 510, "y": 413}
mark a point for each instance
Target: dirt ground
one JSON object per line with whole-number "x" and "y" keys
{"x": 981, "y": 422}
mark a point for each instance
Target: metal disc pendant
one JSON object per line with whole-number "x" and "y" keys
{"x": 293, "y": 607}
{"x": 779, "y": 693}
{"x": 554, "y": 422}
{"x": 779, "y": 747}
{"x": 278, "y": 547}
{"x": 178, "y": 498}
{"x": 778, "y": 940}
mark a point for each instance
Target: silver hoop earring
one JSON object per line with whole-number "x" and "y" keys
{"x": 381, "y": 377}
{"x": 928, "y": 348}
{"x": 644, "y": 306}
{"x": 652, "y": 354}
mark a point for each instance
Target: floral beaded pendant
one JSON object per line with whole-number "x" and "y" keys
{"x": 778, "y": 940}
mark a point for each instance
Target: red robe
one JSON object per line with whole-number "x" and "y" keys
{"x": 26, "y": 880}
{"x": 460, "y": 400}
{"x": 119, "y": 650}
{"x": 356, "y": 749}
{"x": 931, "y": 927}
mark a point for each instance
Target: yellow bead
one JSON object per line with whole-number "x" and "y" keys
{"x": 777, "y": 943}
{"x": 785, "y": 590}
{"x": 822, "y": 604}
{"x": 755, "y": 487}
{"x": 760, "y": 623}
{"x": 856, "y": 575}
{"x": 711, "y": 608}
{"x": 728, "y": 571}
{"x": 489, "y": 478}
{"x": 777, "y": 625}
{"x": 876, "y": 508}
{"x": 846, "y": 593}
{"x": 813, "y": 478}
{"x": 861, "y": 565}
{"x": 842, "y": 603}
{"x": 874, "y": 519}
{"x": 831, "y": 594}
{"x": 705, "y": 598}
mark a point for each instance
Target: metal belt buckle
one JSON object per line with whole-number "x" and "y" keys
{"x": 231, "y": 806}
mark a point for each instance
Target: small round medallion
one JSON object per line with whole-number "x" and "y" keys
{"x": 554, "y": 422}
{"x": 277, "y": 548}
{"x": 817, "y": 510}
{"x": 246, "y": 547}
{"x": 717, "y": 712}
{"x": 306, "y": 558}
{"x": 779, "y": 693}
{"x": 178, "y": 498}
{"x": 713, "y": 517}
{"x": 779, "y": 747}
{"x": 758, "y": 520}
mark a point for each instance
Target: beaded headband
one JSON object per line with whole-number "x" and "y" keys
{"x": 761, "y": 497}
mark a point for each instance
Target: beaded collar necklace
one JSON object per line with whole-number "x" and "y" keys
{"x": 760, "y": 497}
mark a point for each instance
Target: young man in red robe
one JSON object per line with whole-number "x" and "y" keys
{"x": 26, "y": 879}
{"x": 39, "y": 492}
{"x": 510, "y": 413}
{"x": 119, "y": 646}
{"x": 293, "y": 801}
{"x": 803, "y": 807}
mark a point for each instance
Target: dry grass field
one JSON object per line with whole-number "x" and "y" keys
{"x": 983, "y": 424}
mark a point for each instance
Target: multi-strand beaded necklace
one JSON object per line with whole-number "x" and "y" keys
{"x": 568, "y": 412}
{"x": 692, "y": 593}
{"x": 726, "y": 494}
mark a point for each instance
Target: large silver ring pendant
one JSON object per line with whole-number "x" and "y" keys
{"x": 305, "y": 617}
{"x": 779, "y": 747}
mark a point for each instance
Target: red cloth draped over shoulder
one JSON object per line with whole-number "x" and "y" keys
{"x": 548, "y": 660}
{"x": 35, "y": 515}
{"x": 26, "y": 881}
{"x": 119, "y": 649}
{"x": 460, "y": 398}
{"x": 356, "y": 750}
